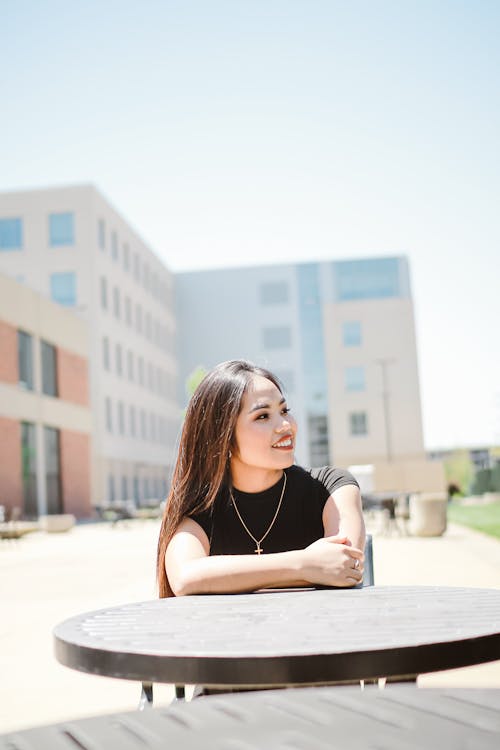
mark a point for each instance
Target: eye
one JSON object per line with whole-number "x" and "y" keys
{"x": 262, "y": 416}
{"x": 286, "y": 410}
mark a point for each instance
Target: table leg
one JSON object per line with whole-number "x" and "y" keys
{"x": 146, "y": 700}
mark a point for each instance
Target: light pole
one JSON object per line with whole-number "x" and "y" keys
{"x": 384, "y": 362}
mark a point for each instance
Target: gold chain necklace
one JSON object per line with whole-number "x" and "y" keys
{"x": 258, "y": 542}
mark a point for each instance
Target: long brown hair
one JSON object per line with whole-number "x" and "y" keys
{"x": 202, "y": 465}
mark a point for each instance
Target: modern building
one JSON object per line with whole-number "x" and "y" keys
{"x": 71, "y": 246}
{"x": 45, "y": 417}
{"x": 341, "y": 336}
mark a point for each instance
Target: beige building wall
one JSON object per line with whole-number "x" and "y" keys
{"x": 393, "y": 442}
{"x": 135, "y": 280}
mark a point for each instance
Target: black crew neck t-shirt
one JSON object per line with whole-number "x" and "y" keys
{"x": 298, "y": 523}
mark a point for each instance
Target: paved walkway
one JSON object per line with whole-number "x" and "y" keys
{"x": 47, "y": 578}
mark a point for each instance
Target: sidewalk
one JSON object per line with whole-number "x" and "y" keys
{"x": 47, "y": 578}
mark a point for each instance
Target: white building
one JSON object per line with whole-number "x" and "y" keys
{"x": 341, "y": 337}
{"x": 70, "y": 245}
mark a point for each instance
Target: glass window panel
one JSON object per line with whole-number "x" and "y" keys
{"x": 126, "y": 256}
{"x": 105, "y": 353}
{"x": 111, "y": 489}
{"x": 116, "y": 301}
{"x": 124, "y": 488}
{"x": 101, "y": 233}
{"x": 104, "y": 293}
{"x": 121, "y": 418}
{"x": 52, "y": 470}
{"x": 109, "y": 414}
{"x": 28, "y": 468}
{"x": 11, "y": 234}
{"x": 132, "y": 420}
{"x": 274, "y": 293}
{"x": 49, "y": 369}
{"x": 355, "y": 378}
{"x": 63, "y": 288}
{"x": 61, "y": 229}
{"x": 278, "y": 337}
{"x": 351, "y": 333}
{"x": 114, "y": 246}
{"x": 25, "y": 359}
{"x": 118, "y": 360}
{"x": 358, "y": 423}
{"x": 367, "y": 279}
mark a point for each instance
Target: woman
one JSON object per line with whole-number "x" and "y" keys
{"x": 240, "y": 515}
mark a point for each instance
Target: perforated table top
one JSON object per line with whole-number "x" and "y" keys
{"x": 286, "y": 637}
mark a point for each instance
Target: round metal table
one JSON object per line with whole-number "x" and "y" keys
{"x": 292, "y": 637}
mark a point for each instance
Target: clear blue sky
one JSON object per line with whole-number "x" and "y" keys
{"x": 260, "y": 131}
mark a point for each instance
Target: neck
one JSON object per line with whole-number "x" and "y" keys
{"x": 254, "y": 480}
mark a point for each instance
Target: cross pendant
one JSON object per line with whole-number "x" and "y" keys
{"x": 259, "y": 549}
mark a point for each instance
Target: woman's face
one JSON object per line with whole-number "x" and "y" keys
{"x": 265, "y": 430}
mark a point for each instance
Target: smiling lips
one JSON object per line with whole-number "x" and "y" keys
{"x": 284, "y": 443}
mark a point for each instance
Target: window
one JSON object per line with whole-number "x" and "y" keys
{"x": 121, "y": 418}
{"x": 278, "y": 337}
{"x": 354, "y": 378}
{"x": 145, "y": 276}
{"x": 52, "y": 470}
{"x": 124, "y": 488}
{"x": 358, "y": 423}
{"x": 114, "y": 246}
{"x": 351, "y": 333}
{"x": 25, "y": 359}
{"x": 101, "y": 233}
{"x": 28, "y": 469}
{"x": 118, "y": 360}
{"x": 131, "y": 420}
{"x": 374, "y": 278}
{"x": 130, "y": 365}
{"x": 147, "y": 326}
{"x": 140, "y": 370}
{"x": 138, "y": 318}
{"x": 151, "y": 380}
{"x": 144, "y": 427}
{"x": 49, "y": 369}
{"x": 109, "y": 414}
{"x": 11, "y": 234}
{"x": 137, "y": 272}
{"x": 152, "y": 430}
{"x": 105, "y": 353}
{"x": 111, "y": 489}
{"x": 128, "y": 311}
{"x": 274, "y": 293}
{"x": 63, "y": 288}
{"x": 116, "y": 301}
{"x": 61, "y": 229}
{"x": 126, "y": 256}
{"x": 104, "y": 293}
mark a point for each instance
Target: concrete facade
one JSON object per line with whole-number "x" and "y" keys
{"x": 341, "y": 336}
{"x": 75, "y": 248}
{"x": 26, "y": 476}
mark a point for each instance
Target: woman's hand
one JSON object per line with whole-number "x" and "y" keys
{"x": 331, "y": 561}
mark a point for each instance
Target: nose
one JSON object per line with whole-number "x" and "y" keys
{"x": 283, "y": 424}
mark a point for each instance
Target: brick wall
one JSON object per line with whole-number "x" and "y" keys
{"x": 75, "y": 473}
{"x": 11, "y": 485}
{"x": 9, "y": 370}
{"x": 72, "y": 377}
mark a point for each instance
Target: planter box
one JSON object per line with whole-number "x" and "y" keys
{"x": 428, "y": 514}
{"x": 57, "y": 523}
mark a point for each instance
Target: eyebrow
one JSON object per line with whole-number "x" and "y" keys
{"x": 262, "y": 405}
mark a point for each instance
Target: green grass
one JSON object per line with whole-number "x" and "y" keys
{"x": 485, "y": 518}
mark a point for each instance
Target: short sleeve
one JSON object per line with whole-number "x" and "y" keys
{"x": 204, "y": 519}
{"x": 333, "y": 478}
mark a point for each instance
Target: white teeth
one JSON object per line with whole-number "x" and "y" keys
{"x": 283, "y": 443}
